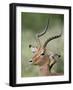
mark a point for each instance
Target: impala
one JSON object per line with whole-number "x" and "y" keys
{"x": 44, "y": 60}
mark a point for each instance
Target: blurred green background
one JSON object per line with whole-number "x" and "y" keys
{"x": 33, "y": 23}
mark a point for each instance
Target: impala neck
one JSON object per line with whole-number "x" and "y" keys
{"x": 44, "y": 70}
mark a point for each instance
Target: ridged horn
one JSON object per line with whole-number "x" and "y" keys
{"x": 45, "y": 30}
{"x": 42, "y": 33}
{"x": 50, "y": 39}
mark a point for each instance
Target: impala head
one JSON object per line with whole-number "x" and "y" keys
{"x": 40, "y": 57}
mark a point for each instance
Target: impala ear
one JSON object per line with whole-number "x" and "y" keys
{"x": 57, "y": 55}
{"x": 33, "y": 49}
{"x": 30, "y": 46}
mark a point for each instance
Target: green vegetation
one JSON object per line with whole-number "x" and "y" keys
{"x": 33, "y": 23}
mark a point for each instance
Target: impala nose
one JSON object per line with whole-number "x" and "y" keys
{"x": 30, "y": 61}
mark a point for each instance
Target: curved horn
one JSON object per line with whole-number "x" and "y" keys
{"x": 48, "y": 40}
{"x": 42, "y": 33}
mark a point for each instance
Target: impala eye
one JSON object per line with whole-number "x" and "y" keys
{"x": 42, "y": 54}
